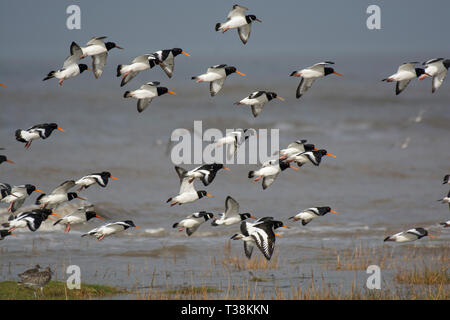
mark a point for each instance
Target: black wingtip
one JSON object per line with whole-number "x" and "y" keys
{"x": 118, "y": 70}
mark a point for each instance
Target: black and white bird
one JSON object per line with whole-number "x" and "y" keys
{"x": 31, "y": 219}
{"x": 100, "y": 178}
{"x": 308, "y": 214}
{"x": 5, "y": 190}
{"x": 5, "y": 159}
{"x": 166, "y": 59}
{"x": 257, "y": 100}
{"x": 187, "y": 190}
{"x": 445, "y": 224}
{"x": 58, "y": 195}
{"x": 216, "y": 76}
{"x": 234, "y": 139}
{"x": 71, "y": 68}
{"x": 42, "y": 131}
{"x": 146, "y": 93}
{"x": 269, "y": 172}
{"x": 446, "y": 199}
{"x": 409, "y": 235}
{"x": 110, "y": 228}
{"x": 446, "y": 179}
{"x": 141, "y": 63}
{"x": 231, "y": 214}
{"x": 237, "y": 19}
{"x": 17, "y": 195}
{"x": 5, "y": 233}
{"x": 314, "y": 157}
{"x": 310, "y": 74}
{"x": 98, "y": 50}
{"x": 206, "y": 173}
{"x": 405, "y": 73}
{"x": 296, "y": 147}
{"x": 37, "y": 280}
{"x": 436, "y": 69}
{"x": 260, "y": 233}
{"x": 80, "y": 215}
{"x": 193, "y": 221}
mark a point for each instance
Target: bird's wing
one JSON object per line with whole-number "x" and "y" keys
{"x": 256, "y": 94}
{"x": 438, "y": 79}
{"x": 244, "y": 32}
{"x": 97, "y": 41}
{"x": 186, "y": 186}
{"x": 320, "y": 65}
{"x": 181, "y": 173}
{"x": 231, "y": 207}
{"x": 401, "y": 85}
{"x": 64, "y": 187}
{"x": 297, "y": 144}
{"x": 408, "y": 67}
{"x": 5, "y": 186}
{"x": 304, "y": 85}
{"x": 265, "y": 239}
{"x": 17, "y": 204}
{"x": 168, "y": 65}
{"x": 267, "y": 181}
{"x": 215, "y": 86}
{"x": 75, "y": 50}
{"x": 191, "y": 230}
{"x": 214, "y": 68}
{"x": 142, "y": 59}
{"x": 257, "y": 108}
{"x": 98, "y": 63}
{"x": 237, "y": 11}
{"x": 149, "y": 85}
{"x": 128, "y": 78}
{"x": 248, "y": 248}
{"x": 142, "y": 104}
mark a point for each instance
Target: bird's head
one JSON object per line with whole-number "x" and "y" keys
{"x": 111, "y": 45}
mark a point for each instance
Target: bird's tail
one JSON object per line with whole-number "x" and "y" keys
{"x": 218, "y": 25}
{"x": 50, "y": 75}
{"x": 126, "y": 94}
{"x": 6, "y": 225}
{"x": 385, "y": 79}
{"x": 293, "y": 73}
{"x": 175, "y": 225}
{"x": 168, "y": 200}
{"x": 57, "y": 221}
{"x": 119, "y": 67}
{"x": 194, "y": 78}
{"x": 251, "y": 174}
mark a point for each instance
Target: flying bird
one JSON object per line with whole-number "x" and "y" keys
{"x": 234, "y": 139}
{"x": 257, "y": 100}
{"x": 5, "y": 159}
{"x": 298, "y": 146}
{"x": 31, "y": 219}
{"x": 17, "y": 195}
{"x": 187, "y": 190}
{"x": 314, "y": 157}
{"x": 308, "y": 214}
{"x": 193, "y": 221}
{"x": 310, "y": 74}
{"x": 70, "y": 67}
{"x": 98, "y": 50}
{"x": 445, "y": 224}
{"x": 436, "y": 69}
{"x": 237, "y": 19}
{"x": 260, "y": 233}
{"x": 231, "y": 214}
{"x": 141, "y": 63}
{"x": 42, "y": 131}
{"x": 146, "y": 93}
{"x": 80, "y": 215}
{"x": 446, "y": 199}
{"x": 446, "y": 179}
{"x": 409, "y": 235}
{"x": 101, "y": 179}
{"x": 269, "y": 172}
{"x": 166, "y": 59}
{"x": 206, "y": 173}
{"x": 216, "y": 75}
{"x": 110, "y": 228}
{"x": 5, "y": 233}
{"x": 405, "y": 73}
{"x": 58, "y": 195}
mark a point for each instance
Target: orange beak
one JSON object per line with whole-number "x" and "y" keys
{"x": 81, "y": 198}
{"x": 285, "y": 226}
{"x": 281, "y": 98}
{"x": 242, "y": 74}
{"x": 331, "y": 155}
{"x": 118, "y": 47}
{"x": 114, "y": 178}
{"x": 315, "y": 149}
{"x": 61, "y": 129}
{"x": 254, "y": 217}
{"x": 1, "y": 84}
{"x": 38, "y": 190}
{"x": 137, "y": 227}
{"x": 171, "y": 92}
{"x": 334, "y": 211}
{"x": 185, "y": 53}
{"x": 339, "y": 74}
{"x": 296, "y": 169}
{"x": 278, "y": 235}
{"x": 208, "y": 195}
{"x": 97, "y": 216}
{"x": 431, "y": 236}
{"x": 226, "y": 168}
{"x": 55, "y": 214}
{"x": 9, "y": 161}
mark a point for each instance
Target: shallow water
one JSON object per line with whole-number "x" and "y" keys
{"x": 377, "y": 186}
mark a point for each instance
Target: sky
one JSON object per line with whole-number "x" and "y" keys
{"x": 36, "y": 30}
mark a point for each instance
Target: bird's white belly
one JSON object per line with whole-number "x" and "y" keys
{"x": 28, "y": 136}
{"x": 311, "y": 74}
{"x": 136, "y": 67}
{"x": 18, "y": 224}
{"x": 85, "y": 181}
{"x": 70, "y": 72}
{"x": 93, "y": 50}
{"x": 186, "y": 197}
{"x": 188, "y": 223}
{"x": 268, "y": 171}
{"x": 52, "y": 199}
{"x": 234, "y": 23}
{"x": 306, "y": 215}
{"x": 143, "y": 94}
{"x": 210, "y": 76}
{"x": 250, "y": 102}
{"x": 232, "y": 220}
{"x": 404, "y": 75}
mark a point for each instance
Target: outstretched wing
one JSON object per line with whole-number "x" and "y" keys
{"x": 244, "y": 32}
{"x": 142, "y": 104}
{"x": 408, "y": 67}
{"x": 64, "y": 187}
{"x": 97, "y": 41}
{"x": 231, "y": 207}
{"x": 257, "y": 108}
{"x": 438, "y": 79}
{"x": 267, "y": 181}
{"x": 304, "y": 85}
{"x": 236, "y": 12}
{"x": 215, "y": 86}
{"x": 264, "y": 239}
{"x": 98, "y": 63}
{"x": 248, "y": 248}
{"x": 401, "y": 85}
{"x": 128, "y": 78}
{"x": 168, "y": 65}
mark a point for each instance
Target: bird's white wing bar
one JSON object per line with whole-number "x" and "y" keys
{"x": 408, "y": 67}
{"x": 237, "y": 11}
